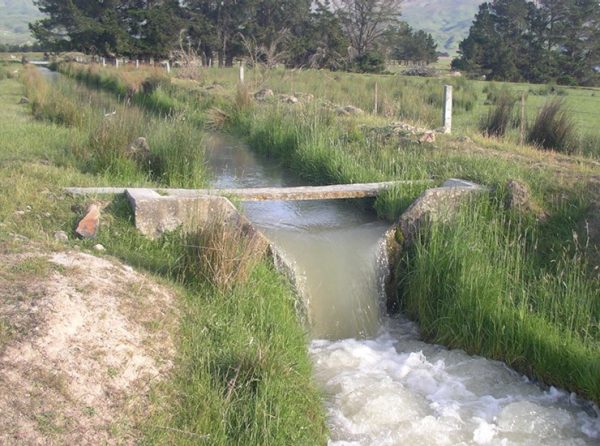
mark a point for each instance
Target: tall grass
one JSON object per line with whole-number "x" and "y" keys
{"x": 222, "y": 253}
{"x": 500, "y": 116}
{"x": 475, "y": 284}
{"x": 176, "y": 152}
{"x": 242, "y": 374}
{"x": 553, "y": 128}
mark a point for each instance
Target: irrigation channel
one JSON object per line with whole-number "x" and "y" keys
{"x": 383, "y": 385}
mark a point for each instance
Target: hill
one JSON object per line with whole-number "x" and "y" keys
{"x": 447, "y": 20}
{"x": 14, "y": 17}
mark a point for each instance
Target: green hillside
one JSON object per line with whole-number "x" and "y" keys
{"x": 447, "y": 20}
{"x": 14, "y": 17}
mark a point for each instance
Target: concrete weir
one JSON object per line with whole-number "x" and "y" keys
{"x": 156, "y": 213}
{"x": 333, "y": 192}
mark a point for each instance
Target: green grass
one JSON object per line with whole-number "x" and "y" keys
{"x": 477, "y": 283}
{"x": 466, "y": 301}
{"x": 242, "y": 373}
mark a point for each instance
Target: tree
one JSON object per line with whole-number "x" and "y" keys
{"x": 91, "y": 27}
{"x": 321, "y": 43}
{"x": 110, "y": 27}
{"x": 407, "y": 45}
{"x": 366, "y": 21}
{"x": 550, "y": 40}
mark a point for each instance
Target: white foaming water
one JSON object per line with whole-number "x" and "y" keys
{"x": 397, "y": 390}
{"x": 391, "y": 388}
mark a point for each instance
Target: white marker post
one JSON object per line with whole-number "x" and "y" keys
{"x": 168, "y": 67}
{"x": 137, "y": 63}
{"x": 241, "y": 72}
{"x": 117, "y": 62}
{"x": 103, "y": 61}
{"x": 447, "y": 116}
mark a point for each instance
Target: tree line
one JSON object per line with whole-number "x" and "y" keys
{"x": 336, "y": 34}
{"x": 534, "y": 41}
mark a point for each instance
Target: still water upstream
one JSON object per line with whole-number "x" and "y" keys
{"x": 383, "y": 385}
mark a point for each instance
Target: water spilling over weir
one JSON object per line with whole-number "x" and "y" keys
{"x": 383, "y": 385}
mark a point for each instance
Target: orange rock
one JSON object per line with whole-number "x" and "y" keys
{"x": 88, "y": 226}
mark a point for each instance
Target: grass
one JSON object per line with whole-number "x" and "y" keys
{"x": 242, "y": 373}
{"x": 453, "y": 302}
{"x": 478, "y": 284}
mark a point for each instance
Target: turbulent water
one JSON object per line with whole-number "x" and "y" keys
{"x": 383, "y": 385}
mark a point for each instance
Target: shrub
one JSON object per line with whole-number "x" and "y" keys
{"x": 553, "y": 128}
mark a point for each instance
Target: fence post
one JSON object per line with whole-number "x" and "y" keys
{"x": 447, "y": 116}
{"x": 117, "y": 62}
{"x": 375, "y": 109}
{"x": 103, "y": 61}
{"x": 522, "y": 124}
{"x": 168, "y": 67}
{"x": 137, "y": 63}
{"x": 241, "y": 71}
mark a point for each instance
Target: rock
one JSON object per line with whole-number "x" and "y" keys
{"x": 215, "y": 86}
{"x": 518, "y": 197}
{"x": 88, "y": 226}
{"x": 427, "y": 137}
{"x": 61, "y": 236}
{"x": 139, "y": 150}
{"x": 24, "y": 100}
{"x": 288, "y": 99}
{"x": 348, "y": 110}
{"x": 99, "y": 248}
{"x": 264, "y": 94}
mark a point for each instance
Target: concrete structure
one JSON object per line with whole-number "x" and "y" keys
{"x": 335, "y": 192}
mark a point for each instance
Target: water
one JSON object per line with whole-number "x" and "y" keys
{"x": 383, "y": 385}
{"x": 49, "y": 75}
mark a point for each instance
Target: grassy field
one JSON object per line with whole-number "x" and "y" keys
{"x": 242, "y": 374}
{"x": 520, "y": 286}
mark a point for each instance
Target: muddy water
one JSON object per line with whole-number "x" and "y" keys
{"x": 383, "y": 385}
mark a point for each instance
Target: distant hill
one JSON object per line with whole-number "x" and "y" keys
{"x": 447, "y": 20}
{"x": 14, "y": 17}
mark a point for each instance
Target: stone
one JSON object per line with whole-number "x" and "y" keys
{"x": 288, "y": 99}
{"x": 24, "y": 100}
{"x": 215, "y": 86}
{"x": 99, "y": 248}
{"x": 427, "y": 137}
{"x": 264, "y": 94}
{"x": 88, "y": 226}
{"x": 61, "y": 236}
{"x": 139, "y": 150}
{"x": 518, "y": 198}
{"x": 348, "y": 110}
